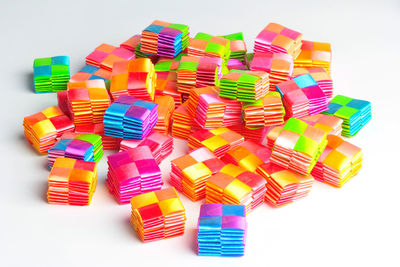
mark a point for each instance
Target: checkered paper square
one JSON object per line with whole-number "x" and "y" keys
{"x": 206, "y": 45}
{"x": 320, "y": 75}
{"x": 105, "y": 55}
{"x": 51, "y": 74}
{"x": 314, "y": 54}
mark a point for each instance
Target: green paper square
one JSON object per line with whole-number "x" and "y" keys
{"x": 188, "y": 65}
{"x": 59, "y": 70}
{"x": 296, "y": 126}
{"x": 341, "y": 100}
{"x": 307, "y": 146}
{"x": 203, "y": 36}
{"x": 163, "y": 66}
{"x": 215, "y": 48}
{"x": 345, "y": 112}
{"x": 179, "y": 27}
{"x": 42, "y": 62}
{"x": 247, "y": 78}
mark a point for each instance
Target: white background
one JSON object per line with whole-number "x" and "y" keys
{"x": 357, "y": 225}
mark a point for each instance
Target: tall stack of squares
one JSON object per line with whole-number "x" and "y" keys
{"x": 135, "y": 77}
{"x": 206, "y": 45}
{"x": 278, "y": 65}
{"x": 90, "y": 72}
{"x": 88, "y": 101}
{"x": 221, "y": 230}
{"x": 165, "y": 108}
{"x": 314, "y": 54}
{"x": 160, "y": 145}
{"x": 130, "y": 118}
{"x": 330, "y": 124}
{"x": 243, "y": 157}
{"x": 158, "y": 215}
{"x": 237, "y": 45}
{"x": 320, "y": 75}
{"x": 276, "y": 38}
{"x": 50, "y": 74}
{"x": 43, "y": 128}
{"x": 302, "y": 96}
{"x": 196, "y": 71}
{"x": 105, "y": 55}
{"x": 109, "y": 142}
{"x": 72, "y": 182}
{"x": 190, "y": 172}
{"x": 218, "y": 140}
{"x": 244, "y": 85}
{"x": 339, "y": 162}
{"x": 181, "y": 122}
{"x": 298, "y": 146}
{"x": 132, "y": 172}
{"x": 165, "y": 39}
{"x": 87, "y": 147}
{"x": 234, "y": 185}
{"x": 284, "y": 186}
{"x": 355, "y": 113}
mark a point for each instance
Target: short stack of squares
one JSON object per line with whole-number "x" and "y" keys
{"x": 182, "y": 121}
{"x": 158, "y": 215}
{"x": 237, "y": 45}
{"x": 90, "y": 72}
{"x": 298, "y": 146}
{"x": 267, "y": 111}
{"x": 339, "y": 162}
{"x": 88, "y": 101}
{"x": 190, "y": 172}
{"x": 132, "y": 172}
{"x": 105, "y": 55}
{"x": 160, "y": 145}
{"x": 135, "y": 77}
{"x": 109, "y": 142}
{"x": 330, "y": 124}
{"x": 276, "y": 38}
{"x": 221, "y": 230}
{"x": 314, "y": 54}
{"x": 130, "y": 118}
{"x": 206, "y": 45}
{"x": 165, "y": 108}
{"x": 320, "y": 75}
{"x": 243, "y": 157}
{"x": 218, "y": 140}
{"x": 355, "y": 113}
{"x": 302, "y": 96}
{"x": 51, "y": 74}
{"x": 278, "y": 65}
{"x": 43, "y": 128}
{"x": 165, "y": 39}
{"x": 87, "y": 147}
{"x": 284, "y": 186}
{"x": 244, "y": 85}
{"x": 234, "y": 185}
{"x": 72, "y": 182}
{"x": 196, "y": 71}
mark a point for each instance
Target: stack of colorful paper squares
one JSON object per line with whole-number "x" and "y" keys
{"x": 87, "y": 147}
{"x": 278, "y": 65}
{"x": 158, "y": 215}
{"x": 206, "y": 45}
{"x": 88, "y": 101}
{"x": 330, "y": 124}
{"x": 243, "y": 157}
{"x": 182, "y": 121}
{"x": 339, "y": 162}
{"x": 160, "y": 145}
{"x": 314, "y": 54}
{"x": 237, "y": 45}
{"x": 276, "y": 38}
{"x": 302, "y": 96}
{"x": 165, "y": 39}
{"x": 190, "y": 172}
{"x": 196, "y": 71}
{"x": 218, "y": 140}
{"x": 320, "y": 75}
{"x": 165, "y": 108}
{"x": 355, "y": 113}
{"x": 298, "y": 146}
{"x": 72, "y": 182}
{"x": 133, "y": 44}
{"x": 221, "y": 230}
{"x": 90, "y": 72}
{"x": 50, "y": 74}
{"x": 43, "y": 128}
{"x": 130, "y": 118}
{"x": 135, "y": 77}
{"x": 244, "y": 85}
{"x": 105, "y": 55}
{"x": 132, "y": 172}
{"x": 234, "y": 185}
{"x": 109, "y": 142}
{"x": 284, "y": 186}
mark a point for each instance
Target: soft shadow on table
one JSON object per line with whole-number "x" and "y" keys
{"x": 43, "y": 191}
{"x": 29, "y": 85}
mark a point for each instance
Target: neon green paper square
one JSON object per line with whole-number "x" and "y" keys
{"x": 341, "y": 100}
{"x": 307, "y": 146}
{"x": 42, "y": 62}
{"x": 346, "y": 112}
{"x": 296, "y": 126}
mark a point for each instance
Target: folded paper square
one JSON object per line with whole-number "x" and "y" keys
{"x": 320, "y": 75}
{"x": 51, "y": 74}
{"x": 206, "y": 45}
{"x": 314, "y": 54}
{"x": 105, "y": 55}
{"x": 90, "y": 72}
{"x": 72, "y": 182}
{"x": 43, "y": 128}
